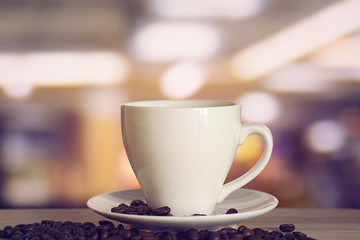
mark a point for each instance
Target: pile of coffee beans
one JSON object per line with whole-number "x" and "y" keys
{"x": 57, "y": 230}
{"x": 139, "y": 207}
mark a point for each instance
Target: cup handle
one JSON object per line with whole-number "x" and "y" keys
{"x": 246, "y": 130}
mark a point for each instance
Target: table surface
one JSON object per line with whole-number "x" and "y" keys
{"x": 316, "y": 223}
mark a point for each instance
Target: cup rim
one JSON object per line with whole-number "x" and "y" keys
{"x": 178, "y": 104}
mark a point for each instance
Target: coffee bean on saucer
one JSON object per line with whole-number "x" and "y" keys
{"x": 136, "y": 202}
{"x": 162, "y": 211}
{"x": 231, "y": 211}
{"x": 199, "y": 215}
{"x": 122, "y": 208}
{"x": 142, "y": 209}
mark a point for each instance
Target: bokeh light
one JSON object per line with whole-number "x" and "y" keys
{"x": 325, "y": 136}
{"x": 299, "y": 77}
{"x": 228, "y": 9}
{"x": 168, "y": 41}
{"x": 259, "y": 107}
{"x": 183, "y": 79}
{"x": 18, "y": 91}
{"x": 63, "y": 68}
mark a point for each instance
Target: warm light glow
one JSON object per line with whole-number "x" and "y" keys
{"x": 251, "y": 150}
{"x": 27, "y": 191}
{"x": 300, "y": 78}
{"x": 176, "y": 41}
{"x": 297, "y": 41}
{"x": 102, "y": 103}
{"x": 230, "y": 9}
{"x": 259, "y": 107}
{"x": 126, "y": 178}
{"x": 18, "y": 91}
{"x": 326, "y": 136}
{"x": 183, "y": 79}
{"x": 62, "y": 68}
{"x": 342, "y": 54}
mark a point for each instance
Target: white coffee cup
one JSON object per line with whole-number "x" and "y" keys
{"x": 181, "y": 151}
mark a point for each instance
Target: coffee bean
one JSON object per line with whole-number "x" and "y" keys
{"x": 224, "y": 237}
{"x": 276, "y": 234}
{"x": 122, "y": 208}
{"x": 8, "y": 230}
{"x": 114, "y": 238}
{"x": 199, "y": 214}
{"x": 93, "y": 233}
{"x": 162, "y": 211}
{"x": 231, "y": 211}
{"x": 259, "y": 232}
{"x": 237, "y": 236}
{"x": 87, "y": 225}
{"x": 17, "y": 233}
{"x": 145, "y": 233}
{"x": 19, "y": 227}
{"x": 203, "y": 234}
{"x": 241, "y": 228}
{"x": 57, "y": 225}
{"x": 79, "y": 231}
{"x": 289, "y": 236}
{"x": 46, "y": 236}
{"x": 28, "y": 235}
{"x": 125, "y": 234}
{"x": 192, "y": 234}
{"x": 106, "y": 224}
{"x": 253, "y": 237}
{"x": 66, "y": 228}
{"x": 214, "y": 236}
{"x": 68, "y": 223}
{"x": 47, "y": 223}
{"x": 247, "y": 232}
{"x": 167, "y": 236}
{"x": 136, "y": 202}
{"x": 142, "y": 209}
{"x": 16, "y": 237}
{"x": 287, "y": 227}
{"x": 299, "y": 235}
{"x": 228, "y": 230}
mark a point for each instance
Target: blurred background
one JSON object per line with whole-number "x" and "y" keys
{"x": 67, "y": 66}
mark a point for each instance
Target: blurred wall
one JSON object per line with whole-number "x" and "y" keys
{"x": 67, "y": 66}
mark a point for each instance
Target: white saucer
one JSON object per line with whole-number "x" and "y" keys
{"x": 249, "y": 203}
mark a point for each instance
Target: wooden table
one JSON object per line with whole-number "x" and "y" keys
{"x": 317, "y": 223}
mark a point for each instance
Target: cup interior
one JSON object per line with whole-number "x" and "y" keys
{"x": 180, "y": 104}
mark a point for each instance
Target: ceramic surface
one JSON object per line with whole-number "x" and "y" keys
{"x": 249, "y": 203}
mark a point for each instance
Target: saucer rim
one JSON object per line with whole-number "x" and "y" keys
{"x": 180, "y": 221}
